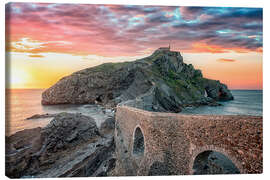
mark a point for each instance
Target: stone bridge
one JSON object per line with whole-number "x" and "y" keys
{"x": 151, "y": 143}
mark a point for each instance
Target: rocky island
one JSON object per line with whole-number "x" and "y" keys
{"x": 72, "y": 145}
{"x": 161, "y": 82}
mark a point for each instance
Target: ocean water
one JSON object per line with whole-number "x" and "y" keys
{"x": 23, "y": 103}
{"x": 246, "y": 102}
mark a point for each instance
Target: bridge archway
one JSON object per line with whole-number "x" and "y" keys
{"x": 158, "y": 169}
{"x": 213, "y": 162}
{"x": 138, "y": 142}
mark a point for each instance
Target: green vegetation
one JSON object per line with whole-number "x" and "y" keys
{"x": 110, "y": 66}
{"x": 173, "y": 75}
{"x": 183, "y": 89}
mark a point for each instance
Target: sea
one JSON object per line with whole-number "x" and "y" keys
{"x": 24, "y": 103}
{"x": 246, "y": 102}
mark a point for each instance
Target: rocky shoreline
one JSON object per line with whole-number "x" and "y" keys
{"x": 68, "y": 146}
{"x": 72, "y": 145}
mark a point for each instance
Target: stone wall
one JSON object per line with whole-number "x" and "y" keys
{"x": 172, "y": 141}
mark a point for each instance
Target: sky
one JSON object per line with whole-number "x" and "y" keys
{"x": 45, "y": 42}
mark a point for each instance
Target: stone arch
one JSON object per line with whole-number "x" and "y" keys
{"x": 158, "y": 169}
{"x": 138, "y": 146}
{"x": 214, "y": 160}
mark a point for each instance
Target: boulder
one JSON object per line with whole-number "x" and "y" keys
{"x": 108, "y": 125}
{"x": 68, "y": 130}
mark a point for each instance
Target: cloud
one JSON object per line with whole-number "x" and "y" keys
{"x": 190, "y": 13}
{"x": 126, "y": 30}
{"x": 36, "y": 56}
{"x": 243, "y": 13}
{"x": 27, "y": 44}
{"x": 160, "y": 18}
{"x": 226, "y": 60}
{"x": 203, "y": 47}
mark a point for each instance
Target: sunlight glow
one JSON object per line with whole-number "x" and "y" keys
{"x": 19, "y": 77}
{"x": 45, "y": 69}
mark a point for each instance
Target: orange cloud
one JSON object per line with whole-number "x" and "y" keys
{"x": 226, "y": 60}
{"x": 202, "y": 47}
{"x": 140, "y": 15}
{"x": 36, "y": 56}
{"x": 260, "y": 50}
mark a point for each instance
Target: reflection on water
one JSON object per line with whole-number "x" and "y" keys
{"x": 21, "y": 104}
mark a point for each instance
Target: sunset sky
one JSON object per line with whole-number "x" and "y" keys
{"x": 48, "y": 41}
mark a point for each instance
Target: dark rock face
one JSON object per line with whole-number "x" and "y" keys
{"x": 37, "y": 116}
{"x": 218, "y": 91}
{"x": 101, "y": 85}
{"x": 107, "y": 125}
{"x": 160, "y": 82}
{"x": 19, "y": 149}
{"x": 67, "y": 130}
{"x": 67, "y": 146}
{"x": 166, "y": 99}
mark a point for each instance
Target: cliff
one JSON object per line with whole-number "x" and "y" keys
{"x": 160, "y": 82}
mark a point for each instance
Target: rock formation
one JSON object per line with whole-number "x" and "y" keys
{"x": 160, "y": 82}
{"x": 68, "y": 146}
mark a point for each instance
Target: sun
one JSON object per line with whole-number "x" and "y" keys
{"x": 18, "y": 78}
